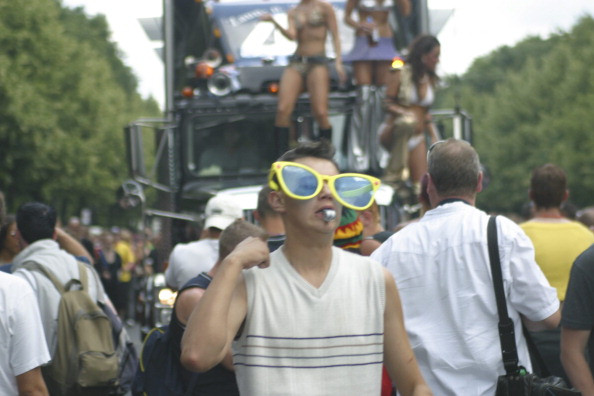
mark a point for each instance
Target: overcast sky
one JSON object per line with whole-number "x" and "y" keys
{"x": 475, "y": 28}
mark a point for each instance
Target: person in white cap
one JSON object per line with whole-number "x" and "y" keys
{"x": 189, "y": 259}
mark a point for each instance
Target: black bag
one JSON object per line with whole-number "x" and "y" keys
{"x": 160, "y": 372}
{"x": 530, "y": 384}
{"x": 517, "y": 381}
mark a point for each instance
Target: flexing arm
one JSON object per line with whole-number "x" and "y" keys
{"x": 348, "y": 16}
{"x": 184, "y": 305}
{"x": 216, "y": 319}
{"x": 399, "y": 358}
{"x": 31, "y": 383}
{"x": 291, "y": 32}
{"x": 573, "y": 346}
{"x": 68, "y": 243}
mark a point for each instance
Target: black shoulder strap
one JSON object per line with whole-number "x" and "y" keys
{"x": 506, "y": 325}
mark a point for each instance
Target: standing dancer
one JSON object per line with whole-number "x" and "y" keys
{"x": 309, "y": 23}
{"x": 371, "y": 56}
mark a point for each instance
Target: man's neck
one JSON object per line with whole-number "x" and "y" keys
{"x": 274, "y": 226}
{"x": 548, "y": 213}
{"x": 441, "y": 200}
{"x": 312, "y": 262}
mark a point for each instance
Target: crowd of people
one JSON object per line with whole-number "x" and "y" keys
{"x": 319, "y": 292}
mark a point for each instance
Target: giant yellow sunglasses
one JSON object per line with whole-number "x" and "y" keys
{"x": 353, "y": 190}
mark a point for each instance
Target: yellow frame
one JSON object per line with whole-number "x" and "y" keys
{"x": 277, "y": 167}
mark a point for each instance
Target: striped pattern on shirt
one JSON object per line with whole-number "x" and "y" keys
{"x": 301, "y": 340}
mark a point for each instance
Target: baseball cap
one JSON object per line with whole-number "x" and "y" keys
{"x": 221, "y": 211}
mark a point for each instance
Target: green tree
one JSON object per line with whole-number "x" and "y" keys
{"x": 65, "y": 97}
{"x": 531, "y": 104}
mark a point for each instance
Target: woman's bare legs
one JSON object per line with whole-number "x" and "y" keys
{"x": 363, "y": 72}
{"x": 380, "y": 72}
{"x": 291, "y": 86}
{"x": 318, "y": 85}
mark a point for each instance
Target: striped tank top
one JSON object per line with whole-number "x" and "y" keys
{"x": 302, "y": 340}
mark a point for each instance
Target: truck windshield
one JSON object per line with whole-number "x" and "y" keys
{"x": 229, "y": 146}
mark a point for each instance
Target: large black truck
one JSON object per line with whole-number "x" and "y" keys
{"x": 222, "y": 70}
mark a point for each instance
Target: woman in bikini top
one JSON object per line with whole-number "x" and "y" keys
{"x": 309, "y": 23}
{"x": 410, "y": 93}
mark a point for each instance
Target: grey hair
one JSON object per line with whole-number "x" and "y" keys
{"x": 454, "y": 167}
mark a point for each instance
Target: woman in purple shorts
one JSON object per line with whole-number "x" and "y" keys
{"x": 371, "y": 57}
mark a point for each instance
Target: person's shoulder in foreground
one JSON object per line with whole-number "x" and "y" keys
{"x": 23, "y": 349}
{"x": 577, "y": 323}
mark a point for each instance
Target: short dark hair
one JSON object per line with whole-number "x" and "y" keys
{"x": 322, "y": 149}
{"x": 237, "y": 232}
{"x": 36, "y": 221}
{"x": 454, "y": 167}
{"x": 548, "y": 185}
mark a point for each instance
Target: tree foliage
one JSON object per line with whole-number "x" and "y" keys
{"x": 532, "y": 104}
{"x": 65, "y": 96}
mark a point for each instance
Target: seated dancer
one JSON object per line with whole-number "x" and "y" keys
{"x": 408, "y": 125}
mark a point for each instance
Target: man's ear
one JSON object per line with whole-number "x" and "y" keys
{"x": 276, "y": 200}
{"x": 479, "y": 185}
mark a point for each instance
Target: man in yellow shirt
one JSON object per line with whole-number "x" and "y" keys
{"x": 557, "y": 241}
{"x": 124, "y": 248}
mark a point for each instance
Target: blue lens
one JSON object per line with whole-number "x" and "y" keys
{"x": 354, "y": 190}
{"x": 299, "y": 181}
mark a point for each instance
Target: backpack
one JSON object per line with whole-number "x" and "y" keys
{"x": 85, "y": 362}
{"x": 160, "y": 372}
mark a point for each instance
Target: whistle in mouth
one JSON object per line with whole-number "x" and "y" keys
{"x": 329, "y": 214}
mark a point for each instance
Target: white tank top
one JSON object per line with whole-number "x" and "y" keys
{"x": 299, "y": 340}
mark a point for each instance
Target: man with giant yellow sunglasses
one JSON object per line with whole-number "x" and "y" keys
{"x": 313, "y": 319}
